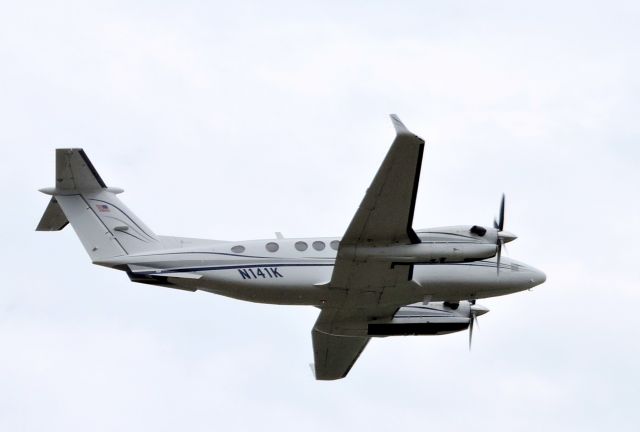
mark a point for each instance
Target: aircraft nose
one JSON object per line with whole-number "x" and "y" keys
{"x": 538, "y": 277}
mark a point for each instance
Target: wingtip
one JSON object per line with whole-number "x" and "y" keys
{"x": 398, "y": 125}
{"x": 401, "y": 129}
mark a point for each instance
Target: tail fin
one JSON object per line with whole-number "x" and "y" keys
{"x": 105, "y": 226}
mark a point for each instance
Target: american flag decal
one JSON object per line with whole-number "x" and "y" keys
{"x": 102, "y": 207}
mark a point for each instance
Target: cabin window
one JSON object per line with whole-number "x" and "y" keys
{"x": 335, "y": 245}
{"x": 301, "y": 246}
{"x": 318, "y": 245}
{"x": 272, "y": 246}
{"x": 238, "y": 249}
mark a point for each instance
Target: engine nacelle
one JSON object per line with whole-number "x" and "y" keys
{"x": 431, "y": 319}
{"x": 425, "y": 252}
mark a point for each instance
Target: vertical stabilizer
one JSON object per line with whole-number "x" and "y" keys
{"x": 105, "y": 226}
{"x": 75, "y": 172}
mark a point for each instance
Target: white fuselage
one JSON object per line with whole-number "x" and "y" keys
{"x": 248, "y": 270}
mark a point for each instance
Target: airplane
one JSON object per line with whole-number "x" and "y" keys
{"x": 381, "y": 278}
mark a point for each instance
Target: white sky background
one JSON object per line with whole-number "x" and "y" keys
{"x": 235, "y": 121}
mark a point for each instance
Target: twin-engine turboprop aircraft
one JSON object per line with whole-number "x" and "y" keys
{"x": 382, "y": 278}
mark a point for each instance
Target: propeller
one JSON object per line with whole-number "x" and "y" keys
{"x": 503, "y": 236}
{"x": 499, "y": 225}
{"x": 474, "y": 312}
{"x": 472, "y": 319}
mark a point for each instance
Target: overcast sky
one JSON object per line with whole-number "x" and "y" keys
{"x": 232, "y": 120}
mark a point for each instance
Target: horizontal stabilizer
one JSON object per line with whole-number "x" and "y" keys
{"x": 75, "y": 172}
{"x": 141, "y": 270}
{"x": 53, "y": 218}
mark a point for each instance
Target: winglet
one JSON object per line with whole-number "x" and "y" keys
{"x": 401, "y": 129}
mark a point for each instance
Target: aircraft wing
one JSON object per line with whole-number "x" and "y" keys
{"x": 370, "y": 290}
{"x": 385, "y": 214}
{"x": 335, "y": 354}
{"x": 384, "y": 217}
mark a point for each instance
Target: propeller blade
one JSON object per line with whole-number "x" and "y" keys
{"x": 498, "y": 224}
{"x": 471, "y": 320}
{"x": 501, "y": 219}
{"x": 474, "y": 312}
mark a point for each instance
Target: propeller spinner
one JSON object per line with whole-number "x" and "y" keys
{"x": 474, "y": 312}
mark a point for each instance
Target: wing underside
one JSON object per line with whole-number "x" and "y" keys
{"x": 385, "y": 214}
{"x": 334, "y": 355}
{"x": 371, "y": 290}
{"x": 339, "y": 337}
